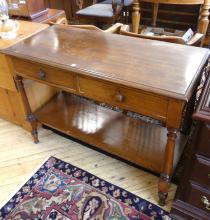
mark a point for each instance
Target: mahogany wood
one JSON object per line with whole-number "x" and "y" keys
{"x": 52, "y": 15}
{"x": 189, "y": 201}
{"x": 28, "y": 8}
{"x": 100, "y": 69}
{"x": 128, "y": 138}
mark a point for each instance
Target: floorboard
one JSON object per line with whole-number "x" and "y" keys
{"x": 20, "y": 157}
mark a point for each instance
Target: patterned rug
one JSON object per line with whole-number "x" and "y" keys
{"x": 61, "y": 191}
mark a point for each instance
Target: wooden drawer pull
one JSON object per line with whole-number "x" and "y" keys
{"x": 206, "y": 202}
{"x": 42, "y": 74}
{"x": 119, "y": 97}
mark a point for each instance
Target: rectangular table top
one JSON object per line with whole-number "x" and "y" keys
{"x": 163, "y": 68}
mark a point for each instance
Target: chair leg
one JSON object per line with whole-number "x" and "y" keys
{"x": 154, "y": 14}
{"x": 126, "y": 15}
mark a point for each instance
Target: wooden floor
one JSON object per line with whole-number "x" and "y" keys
{"x": 20, "y": 157}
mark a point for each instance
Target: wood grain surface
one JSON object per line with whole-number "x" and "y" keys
{"x": 159, "y": 67}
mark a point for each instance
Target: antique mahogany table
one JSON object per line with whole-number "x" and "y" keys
{"x": 152, "y": 78}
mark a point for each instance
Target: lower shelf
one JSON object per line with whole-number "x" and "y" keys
{"x": 132, "y": 139}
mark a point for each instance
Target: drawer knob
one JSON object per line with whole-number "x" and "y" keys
{"x": 119, "y": 97}
{"x": 41, "y": 74}
{"x": 206, "y": 202}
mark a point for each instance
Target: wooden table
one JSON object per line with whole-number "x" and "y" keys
{"x": 204, "y": 13}
{"x": 151, "y": 78}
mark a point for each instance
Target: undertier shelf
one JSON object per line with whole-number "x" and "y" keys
{"x": 132, "y": 139}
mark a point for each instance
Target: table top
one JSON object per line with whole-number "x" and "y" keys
{"x": 159, "y": 67}
{"x": 26, "y": 29}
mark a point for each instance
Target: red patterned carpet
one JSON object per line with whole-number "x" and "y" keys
{"x": 60, "y": 191}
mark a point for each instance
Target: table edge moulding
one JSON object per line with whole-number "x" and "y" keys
{"x": 120, "y": 71}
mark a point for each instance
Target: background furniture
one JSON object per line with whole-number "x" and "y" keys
{"x": 192, "y": 199}
{"x": 126, "y": 7}
{"x": 171, "y": 16}
{"x": 52, "y": 16}
{"x": 101, "y": 13}
{"x": 196, "y": 40}
{"x": 28, "y": 8}
{"x": 114, "y": 29}
{"x": 70, "y": 7}
{"x": 11, "y": 106}
{"x": 203, "y": 17}
{"x": 115, "y": 80}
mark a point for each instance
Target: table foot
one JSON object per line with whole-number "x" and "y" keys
{"x": 163, "y": 187}
{"x": 162, "y": 198}
{"x": 34, "y": 134}
{"x": 33, "y": 121}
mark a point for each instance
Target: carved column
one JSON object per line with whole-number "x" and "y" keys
{"x": 29, "y": 115}
{"x": 165, "y": 177}
{"x": 136, "y": 16}
{"x": 204, "y": 17}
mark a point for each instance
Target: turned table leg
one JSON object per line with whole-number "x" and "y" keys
{"x": 136, "y": 16}
{"x": 29, "y": 115}
{"x": 165, "y": 176}
{"x": 204, "y": 17}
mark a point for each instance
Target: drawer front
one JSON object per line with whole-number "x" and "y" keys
{"x": 196, "y": 193}
{"x": 133, "y": 100}
{"x": 44, "y": 73}
{"x": 201, "y": 171}
{"x": 203, "y": 143}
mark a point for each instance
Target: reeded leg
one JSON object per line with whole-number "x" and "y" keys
{"x": 165, "y": 176}
{"x": 136, "y": 16}
{"x": 30, "y": 117}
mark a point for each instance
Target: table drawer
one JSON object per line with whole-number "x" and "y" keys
{"x": 196, "y": 193}
{"x": 138, "y": 101}
{"x": 203, "y": 143}
{"x": 45, "y": 73}
{"x": 201, "y": 171}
